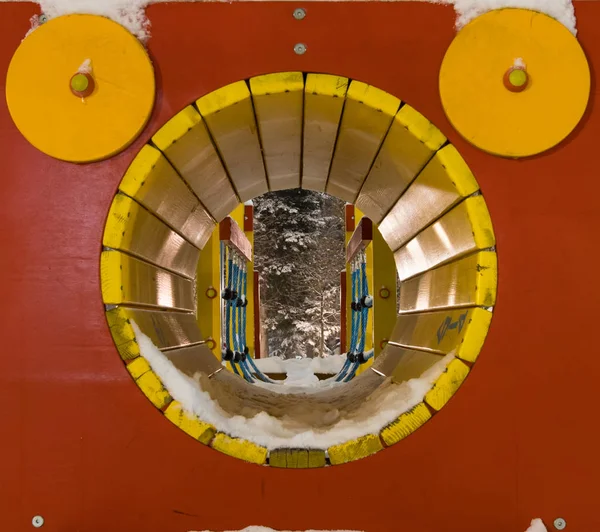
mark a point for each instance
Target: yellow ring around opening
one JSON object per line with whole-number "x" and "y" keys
{"x": 56, "y": 122}
{"x": 480, "y": 107}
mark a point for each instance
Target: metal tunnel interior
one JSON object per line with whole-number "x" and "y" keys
{"x": 321, "y": 132}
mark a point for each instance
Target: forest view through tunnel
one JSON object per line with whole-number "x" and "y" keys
{"x": 173, "y": 278}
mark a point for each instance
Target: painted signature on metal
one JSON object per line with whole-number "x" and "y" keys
{"x": 448, "y": 324}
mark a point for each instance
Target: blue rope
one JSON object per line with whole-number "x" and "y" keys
{"x": 235, "y": 278}
{"x": 357, "y": 345}
{"x": 243, "y": 309}
{"x": 227, "y": 275}
{"x": 241, "y": 314}
{"x": 231, "y": 304}
{"x": 355, "y": 317}
{"x": 257, "y": 371}
{"x": 246, "y": 363}
{"x": 364, "y": 312}
{"x": 354, "y": 325}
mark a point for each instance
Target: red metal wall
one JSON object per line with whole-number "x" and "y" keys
{"x": 84, "y": 448}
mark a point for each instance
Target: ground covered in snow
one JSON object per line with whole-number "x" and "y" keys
{"x": 295, "y": 419}
{"x": 536, "y": 526}
{"x": 130, "y": 13}
{"x": 265, "y": 529}
{"x": 299, "y": 369}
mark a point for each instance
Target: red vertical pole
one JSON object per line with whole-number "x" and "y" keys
{"x": 350, "y": 219}
{"x": 248, "y": 218}
{"x": 343, "y": 310}
{"x": 256, "y": 302}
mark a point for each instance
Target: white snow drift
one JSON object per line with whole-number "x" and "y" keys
{"x": 266, "y": 529}
{"x": 131, "y": 13}
{"x": 327, "y": 365}
{"x": 537, "y": 526}
{"x": 384, "y": 405}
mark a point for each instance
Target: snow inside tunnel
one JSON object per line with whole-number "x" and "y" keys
{"x": 325, "y": 133}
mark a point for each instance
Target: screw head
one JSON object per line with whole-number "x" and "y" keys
{"x": 516, "y": 79}
{"x": 560, "y": 523}
{"x": 37, "y": 521}
{"x": 43, "y": 18}
{"x": 299, "y": 13}
{"x": 82, "y": 84}
{"x": 300, "y": 48}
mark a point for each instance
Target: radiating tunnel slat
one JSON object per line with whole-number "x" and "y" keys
{"x": 444, "y": 331}
{"x": 443, "y": 182}
{"x": 166, "y": 329}
{"x": 229, "y": 116}
{"x": 468, "y": 282}
{"x": 410, "y": 143}
{"x": 151, "y": 386}
{"x": 278, "y": 103}
{"x": 203, "y": 432}
{"x": 126, "y": 280}
{"x": 354, "y": 449}
{"x": 464, "y": 229}
{"x": 185, "y": 141}
{"x": 297, "y": 458}
{"x": 238, "y": 448}
{"x": 193, "y": 359}
{"x": 406, "y": 424}
{"x": 154, "y": 183}
{"x": 447, "y": 384}
{"x": 410, "y": 363}
{"x": 367, "y": 116}
{"x": 324, "y": 97}
{"x": 133, "y": 229}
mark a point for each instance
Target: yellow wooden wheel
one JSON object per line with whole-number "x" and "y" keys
{"x": 514, "y": 82}
{"x": 73, "y": 115}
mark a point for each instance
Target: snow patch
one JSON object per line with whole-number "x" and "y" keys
{"x": 265, "y": 529}
{"x": 537, "y": 526}
{"x": 327, "y": 365}
{"x": 131, "y": 13}
{"x": 310, "y": 427}
{"x": 561, "y": 10}
{"x": 519, "y": 63}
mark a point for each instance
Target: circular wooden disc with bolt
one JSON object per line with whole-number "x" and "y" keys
{"x": 75, "y": 114}
{"x": 514, "y": 82}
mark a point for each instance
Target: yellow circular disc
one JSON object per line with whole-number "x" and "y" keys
{"x": 61, "y": 124}
{"x": 504, "y": 122}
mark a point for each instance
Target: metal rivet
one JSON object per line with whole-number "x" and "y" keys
{"x": 299, "y": 13}
{"x": 43, "y": 18}
{"x": 37, "y": 521}
{"x": 300, "y": 48}
{"x": 560, "y": 523}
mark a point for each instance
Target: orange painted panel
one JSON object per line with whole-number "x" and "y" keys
{"x": 86, "y": 450}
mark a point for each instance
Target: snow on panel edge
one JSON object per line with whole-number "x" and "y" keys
{"x": 536, "y": 526}
{"x": 266, "y": 529}
{"x": 131, "y": 13}
{"x": 561, "y": 10}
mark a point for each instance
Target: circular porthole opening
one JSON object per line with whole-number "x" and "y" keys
{"x": 405, "y": 185}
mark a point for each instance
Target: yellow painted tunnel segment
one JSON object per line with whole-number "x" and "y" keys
{"x": 429, "y": 209}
